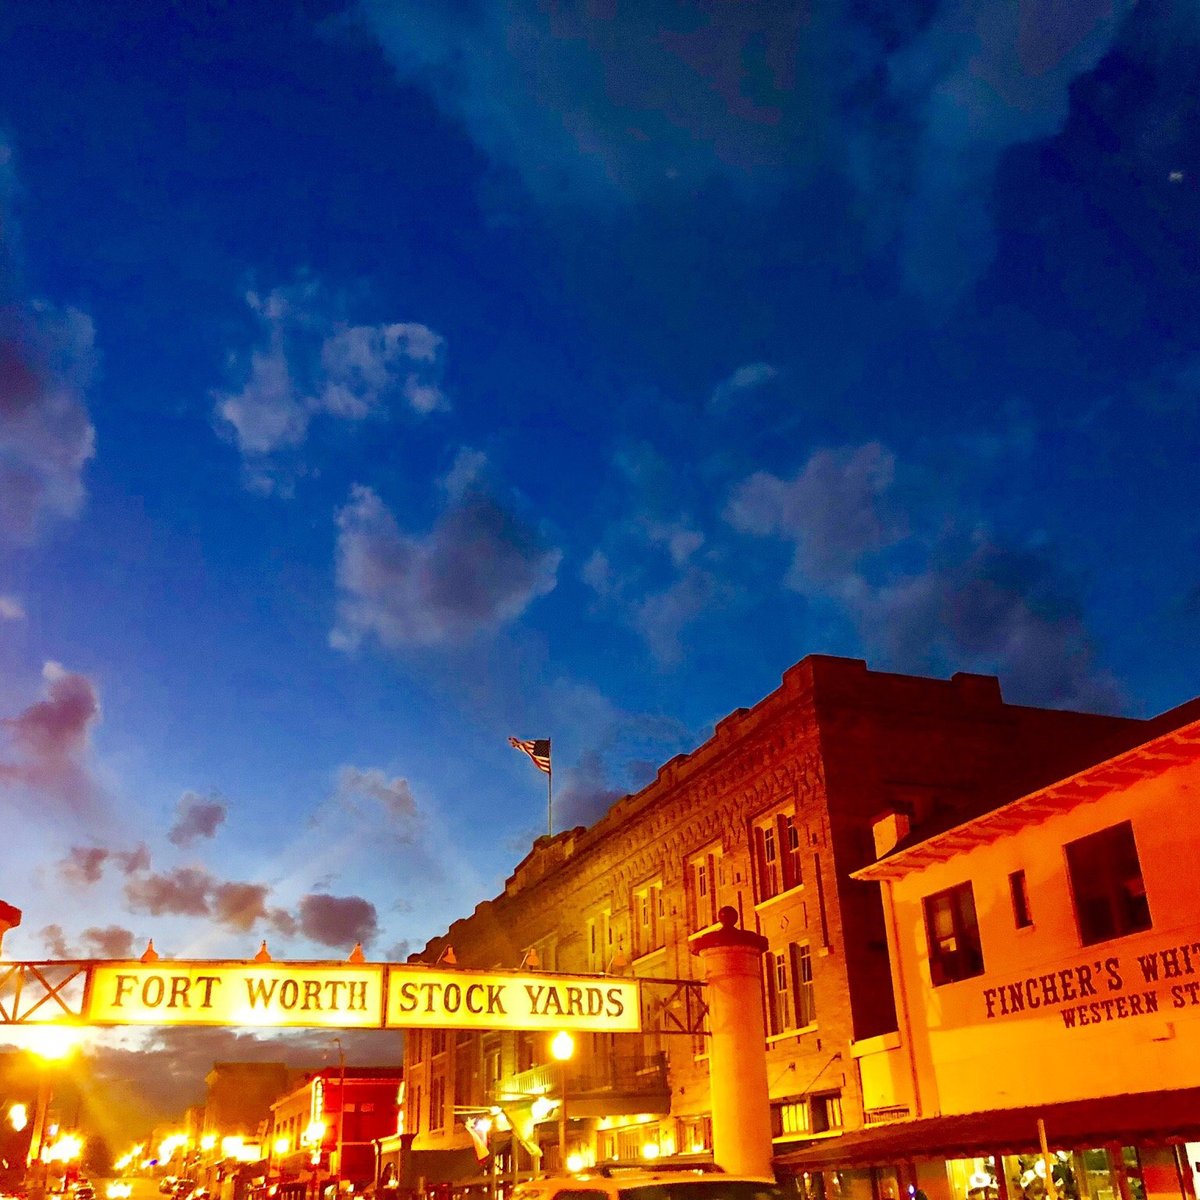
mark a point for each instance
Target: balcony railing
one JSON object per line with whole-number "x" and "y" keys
{"x": 616, "y": 1074}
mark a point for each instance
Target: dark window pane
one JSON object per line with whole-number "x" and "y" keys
{"x": 1106, "y": 882}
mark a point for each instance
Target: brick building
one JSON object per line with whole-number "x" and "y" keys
{"x": 771, "y": 815}
{"x": 328, "y": 1111}
{"x": 1047, "y": 954}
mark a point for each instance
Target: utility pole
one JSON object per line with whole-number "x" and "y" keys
{"x": 341, "y": 1112}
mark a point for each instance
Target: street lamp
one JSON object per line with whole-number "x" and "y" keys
{"x": 562, "y": 1047}
{"x": 51, "y": 1044}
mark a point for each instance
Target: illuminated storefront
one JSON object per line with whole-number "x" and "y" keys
{"x": 1046, "y": 964}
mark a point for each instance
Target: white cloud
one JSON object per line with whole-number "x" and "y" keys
{"x": 311, "y": 361}
{"x": 11, "y": 609}
{"x": 746, "y": 378}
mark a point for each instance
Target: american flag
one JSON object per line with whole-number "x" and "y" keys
{"x": 538, "y": 751}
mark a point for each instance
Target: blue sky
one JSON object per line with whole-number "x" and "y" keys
{"x": 381, "y": 380}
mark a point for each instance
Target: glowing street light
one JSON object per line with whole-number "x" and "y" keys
{"x": 562, "y": 1047}
{"x": 18, "y": 1116}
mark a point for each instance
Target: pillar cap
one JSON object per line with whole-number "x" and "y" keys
{"x": 729, "y": 935}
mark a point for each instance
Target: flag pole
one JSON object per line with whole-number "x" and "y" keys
{"x": 550, "y": 796}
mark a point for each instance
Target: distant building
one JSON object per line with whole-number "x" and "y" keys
{"x": 1047, "y": 959}
{"x": 314, "y": 1120}
{"x": 771, "y": 815}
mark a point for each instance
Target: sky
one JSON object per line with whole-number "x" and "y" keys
{"x": 383, "y": 379}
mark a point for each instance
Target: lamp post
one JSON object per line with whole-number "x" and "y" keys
{"x": 341, "y": 1125}
{"x": 562, "y": 1047}
{"x": 50, "y": 1044}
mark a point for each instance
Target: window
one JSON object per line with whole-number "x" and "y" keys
{"x": 827, "y": 1112}
{"x": 704, "y": 871}
{"x": 437, "y": 1102}
{"x": 437, "y": 1041}
{"x": 1106, "y": 882}
{"x": 649, "y": 909}
{"x": 777, "y": 855}
{"x": 790, "y": 1117}
{"x": 802, "y": 979}
{"x": 1020, "y": 900}
{"x": 599, "y": 941}
{"x": 791, "y": 1003}
{"x": 414, "y": 1110}
{"x": 954, "y": 949}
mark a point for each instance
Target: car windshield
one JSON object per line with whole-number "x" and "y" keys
{"x": 710, "y": 1188}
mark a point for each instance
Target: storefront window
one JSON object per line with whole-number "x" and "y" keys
{"x": 973, "y": 1178}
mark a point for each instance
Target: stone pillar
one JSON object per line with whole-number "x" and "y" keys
{"x": 737, "y": 1059}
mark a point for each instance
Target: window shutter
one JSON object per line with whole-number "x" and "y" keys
{"x": 711, "y": 916}
{"x": 760, "y": 861}
{"x": 772, "y": 1005}
{"x": 785, "y": 853}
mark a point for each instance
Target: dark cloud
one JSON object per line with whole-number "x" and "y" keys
{"x": 111, "y": 941}
{"x": 944, "y": 601}
{"x": 54, "y": 939}
{"x": 240, "y": 906}
{"x": 84, "y": 865}
{"x": 911, "y": 105}
{"x": 151, "y": 1084}
{"x": 586, "y": 795}
{"x": 46, "y": 364}
{"x": 996, "y": 608}
{"x": 48, "y": 741}
{"x": 137, "y": 859}
{"x": 479, "y": 567}
{"x": 198, "y": 817}
{"x": 184, "y": 891}
{"x": 338, "y": 921}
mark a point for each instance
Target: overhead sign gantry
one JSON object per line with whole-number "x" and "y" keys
{"x": 353, "y": 995}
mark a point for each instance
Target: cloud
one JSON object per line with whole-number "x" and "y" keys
{"x": 651, "y": 575}
{"x": 111, "y": 941}
{"x": 84, "y": 865}
{"x": 594, "y": 106}
{"x": 982, "y": 76}
{"x": 943, "y": 601}
{"x": 11, "y": 609}
{"x": 54, "y": 939}
{"x": 338, "y": 920}
{"x": 1000, "y": 608}
{"x": 240, "y": 906}
{"x": 746, "y": 378}
{"x": 394, "y": 794}
{"x": 198, "y": 817}
{"x": 47, "y": 359}
{"x": 912, "y": 107}
{"x": 586, "y": 793}
{"x": 49, "y": 740}
{"x": 478, "y": 568}
{"x": 312, "y": 361}
{"x": 182, "y": 892}
{"x": 832, "y": 511}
